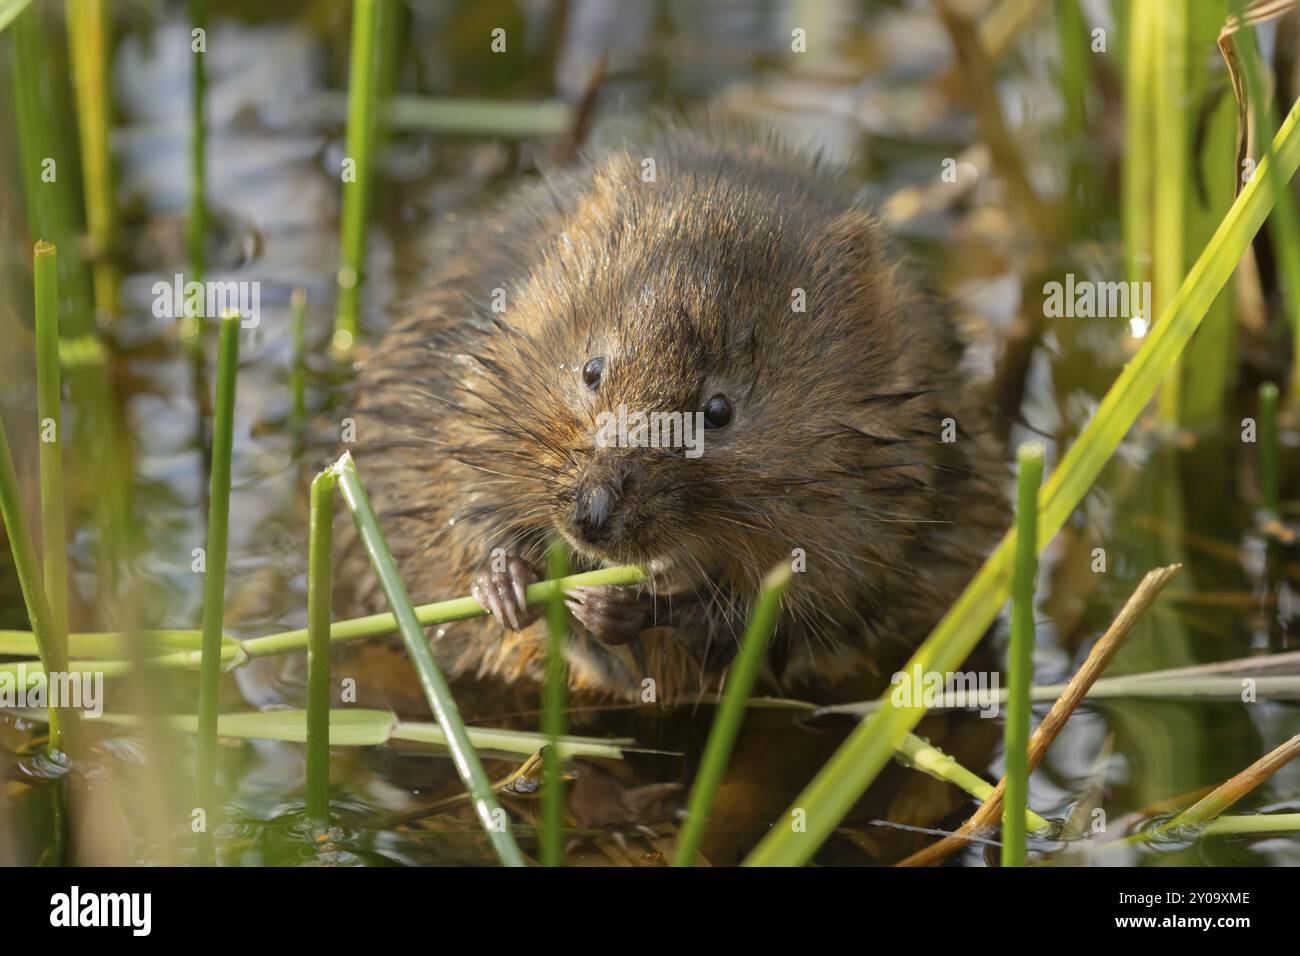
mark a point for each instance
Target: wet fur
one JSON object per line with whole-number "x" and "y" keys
{"x": 473, "y": 427}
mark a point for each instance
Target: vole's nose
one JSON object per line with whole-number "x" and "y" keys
{"x": 596, "y": 503}
{"x": 593, "y": 509}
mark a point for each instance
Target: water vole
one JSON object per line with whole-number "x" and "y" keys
{"x": 718, "y": 275}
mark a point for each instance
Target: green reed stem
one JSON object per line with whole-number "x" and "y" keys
{"x": 48, "y": 644}
{"x": 298, "y": 372}
{"x": 196, "y": 225}
{"x": 554, "y": 694}
{"x": 49, "y": 411}
{"x": 214, "y": 580}
{"x": 1252, "y": 823}
{"x": 49, "y": 621}
{"x": 436, "y": 692}
{"x": 1020, "y": 656}
{"x": 319, "y": 580}
{"x": 362, "y": 117}
{"x": 1268, "y": 449}
{"x": 440, "y": 612}
{"x": 48, "y": 158}
{"x": 54, "y": 534}
{"x": 919, "y": 753}
{"x": 49, "y": 164}
{"x": 88, "y": 41}
{"x": 171, "y": 646}
{"x": 731, "y": 712}
{"x": 839, "y": 784}
{"x": 360, "y": 727}
{"x": 53, "y": 526}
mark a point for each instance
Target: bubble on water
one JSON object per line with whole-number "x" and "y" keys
{"x": 1172, "y": 840}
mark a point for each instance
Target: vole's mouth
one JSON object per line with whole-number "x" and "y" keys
{"x": 666, "y": 574}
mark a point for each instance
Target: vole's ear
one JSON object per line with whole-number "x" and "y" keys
{"x": 853, "y": 239}
{"x": 853, "y": 265}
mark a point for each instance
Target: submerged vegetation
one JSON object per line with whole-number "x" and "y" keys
{"x": 1159, "y": 421}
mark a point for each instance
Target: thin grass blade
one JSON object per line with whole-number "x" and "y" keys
{"x": 319, "y": 579}
{"x": 362, "y": 127}
{"x": 1020, "y": 657}
{"x": 554, "y": 694}
{"x": 214, "y": 579}
{"x": 731, "y": 712}
{"x": 493, "y": 819}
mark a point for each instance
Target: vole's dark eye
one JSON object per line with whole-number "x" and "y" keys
{"x": 592, "y": 371}
{"x": 717, "y": 412}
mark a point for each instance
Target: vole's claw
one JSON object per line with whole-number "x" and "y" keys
{"x": 611, "y": 614}
{"x": 504, "y": 592}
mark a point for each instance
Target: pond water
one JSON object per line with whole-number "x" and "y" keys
{"x": 884, "y": 102}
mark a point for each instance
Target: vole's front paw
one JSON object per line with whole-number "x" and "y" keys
{"x": 502, "y": 592}
{"x": 612, "y": 614}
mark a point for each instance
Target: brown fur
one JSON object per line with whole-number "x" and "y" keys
{"x": 474, "y": 427}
